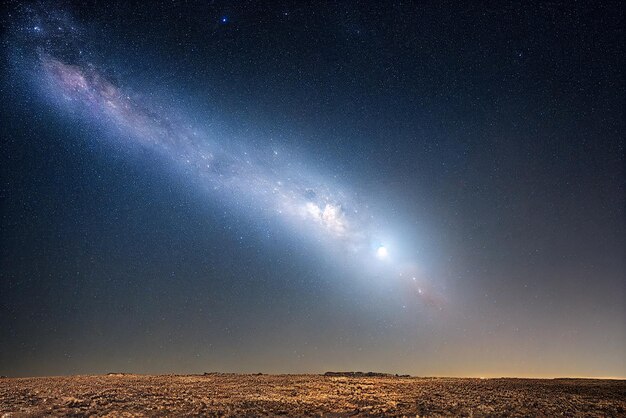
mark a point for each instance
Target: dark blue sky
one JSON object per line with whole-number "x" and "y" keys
{"x": 482, "y": 146}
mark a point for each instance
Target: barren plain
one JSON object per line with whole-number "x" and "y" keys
{"x": 217, "y": 394}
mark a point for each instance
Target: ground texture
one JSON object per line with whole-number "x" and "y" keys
{"x": 297, "y": 395}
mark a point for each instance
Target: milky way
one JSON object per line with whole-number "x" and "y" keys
{"x": 266, "y": 181}
{"x": 260, "y": 179}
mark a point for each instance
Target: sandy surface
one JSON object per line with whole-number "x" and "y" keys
{"x": 231, "y": 394}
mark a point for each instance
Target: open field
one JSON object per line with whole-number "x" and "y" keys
{"x": 233, "y": 394}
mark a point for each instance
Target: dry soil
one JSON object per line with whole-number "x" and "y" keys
{"x": 218, "y": 394}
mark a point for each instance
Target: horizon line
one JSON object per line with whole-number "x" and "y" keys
{"x": 376, "y": 374}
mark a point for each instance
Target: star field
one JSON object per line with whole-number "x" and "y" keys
{"x": 427, "y": 189}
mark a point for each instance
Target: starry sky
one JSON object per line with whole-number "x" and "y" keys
{"x": 431, "y": 189}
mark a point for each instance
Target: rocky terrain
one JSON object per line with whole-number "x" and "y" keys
{"x": 343, "y": 394}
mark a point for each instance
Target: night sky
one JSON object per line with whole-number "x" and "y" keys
{"x": 295, "y": 187}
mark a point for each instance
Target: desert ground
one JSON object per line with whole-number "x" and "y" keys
{"x": 218, "y": 394}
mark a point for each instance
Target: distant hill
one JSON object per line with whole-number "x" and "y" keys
{"x": 363, "y": 374}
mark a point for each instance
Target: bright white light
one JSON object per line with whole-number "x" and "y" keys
{"x": 381, "y": 252}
